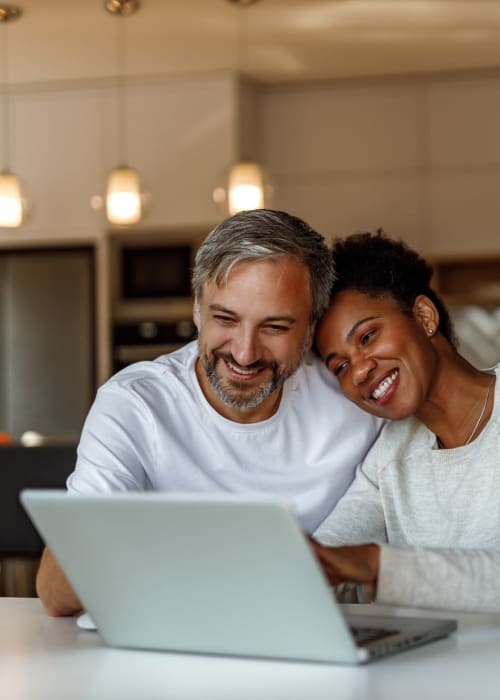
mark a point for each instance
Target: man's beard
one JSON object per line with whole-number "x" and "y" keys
{"x": 238, "y": 394}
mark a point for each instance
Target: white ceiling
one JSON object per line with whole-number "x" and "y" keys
{"x": 287, "y": 40}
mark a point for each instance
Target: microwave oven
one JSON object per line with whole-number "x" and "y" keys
{"x": 154, "y": 272}
{"x": 151, "y": 277}
{"x": 152, "y": 304}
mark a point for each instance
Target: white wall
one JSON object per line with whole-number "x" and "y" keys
{"x": 182, "y": 133}
{"x": 418, "y": 157}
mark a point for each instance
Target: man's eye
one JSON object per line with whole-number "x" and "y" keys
{"x": 225, "y": 320}
{"x": 274, "y": 328}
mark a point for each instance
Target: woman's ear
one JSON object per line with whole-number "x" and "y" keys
{"x": 425, "y": 313}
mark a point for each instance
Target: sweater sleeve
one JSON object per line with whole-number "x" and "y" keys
{"x": 358, "y": 517}
{"x": 454, "y": 579}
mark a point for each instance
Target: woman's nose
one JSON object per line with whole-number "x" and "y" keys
{"x": 361, "y": 370}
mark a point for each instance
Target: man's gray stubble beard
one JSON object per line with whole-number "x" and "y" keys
{"x": 276, "y": 381}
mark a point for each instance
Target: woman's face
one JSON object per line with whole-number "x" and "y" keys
{"x": 383, "y": 359}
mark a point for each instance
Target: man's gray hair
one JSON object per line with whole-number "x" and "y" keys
{"x": 265, "y": 234}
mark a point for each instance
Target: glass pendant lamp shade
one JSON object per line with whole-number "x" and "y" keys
{"x": 245, "y": 187}
{"x": 124, "y": 201}
{"x": 123, "y": 196}
{"x": 11, "y": 203}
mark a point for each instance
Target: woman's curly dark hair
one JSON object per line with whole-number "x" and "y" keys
{"x": 378, "y": 266}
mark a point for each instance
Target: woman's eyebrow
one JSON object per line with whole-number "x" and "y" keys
{"x": 359, "y": 323}
{"x": 352, "y": 331}
{"x": 329, "y": 357}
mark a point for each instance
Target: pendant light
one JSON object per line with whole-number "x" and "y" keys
{"x": 123, "y": 191}
{"x": 11, "y": 203}
{"x": 245, "y": 188}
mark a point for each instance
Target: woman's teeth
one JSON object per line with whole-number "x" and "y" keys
{"x": 383, "y": 386}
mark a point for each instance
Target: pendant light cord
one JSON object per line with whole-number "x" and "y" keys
{"x": 121, "y": 83}
{"x": 5, "y": 99}
{"x": 242, "y": 54}
{"x": 242, "y": 43}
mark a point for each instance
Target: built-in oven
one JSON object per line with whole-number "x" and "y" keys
{"x": 151, "y": 293}
{"x": 134, "y": 341}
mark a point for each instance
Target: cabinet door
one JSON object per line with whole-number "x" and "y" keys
{"x": 47, "y": 327}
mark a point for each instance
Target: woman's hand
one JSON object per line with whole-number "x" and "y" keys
{"x": 356, "y": 563}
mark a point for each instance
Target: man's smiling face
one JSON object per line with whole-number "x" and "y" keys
{"x": 253, "y": 331}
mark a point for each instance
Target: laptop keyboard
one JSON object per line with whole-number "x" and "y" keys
{"x": 365, "y": 635}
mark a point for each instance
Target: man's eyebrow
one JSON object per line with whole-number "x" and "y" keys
{"x": 280, "y": 319}
{"x": 268, "y": 319}
{"x": 223, "y": 309}
{"x": 358, "y": 324}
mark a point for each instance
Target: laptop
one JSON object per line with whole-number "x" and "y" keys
{"x": 209, "y": 573}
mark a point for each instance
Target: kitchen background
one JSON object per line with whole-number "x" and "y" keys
{"x": 364, "y": 114}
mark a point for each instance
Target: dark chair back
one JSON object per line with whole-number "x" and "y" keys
{"x": 28, "y": 467}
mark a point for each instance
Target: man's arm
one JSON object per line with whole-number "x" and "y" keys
{"x": 53, "y": 588}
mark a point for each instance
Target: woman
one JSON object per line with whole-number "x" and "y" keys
{"x": 427, "y": 496}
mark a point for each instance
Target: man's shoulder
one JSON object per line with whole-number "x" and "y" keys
{"x": 314, "y": 368}
{"x": 319, "y": 393}
{"x": 173, "y": 367}
{"x": 312, "y": 376}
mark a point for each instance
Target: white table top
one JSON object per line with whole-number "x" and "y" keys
{"x": 43, "y": 658}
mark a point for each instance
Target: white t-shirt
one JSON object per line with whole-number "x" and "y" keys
{"x": 151, "y": 428}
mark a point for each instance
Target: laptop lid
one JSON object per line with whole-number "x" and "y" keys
{"x": 210, "y": 573}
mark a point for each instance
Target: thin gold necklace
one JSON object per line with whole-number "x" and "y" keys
{"x": 478, "y": 422}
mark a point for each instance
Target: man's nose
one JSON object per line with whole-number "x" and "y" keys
{"x": 361, "y": 369}
{"x": 246, "y": 347}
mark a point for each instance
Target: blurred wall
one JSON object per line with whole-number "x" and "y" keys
{"x": 419, "y": 157}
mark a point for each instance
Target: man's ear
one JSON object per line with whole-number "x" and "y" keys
{"x": 196, "y": 313}
{"x": 309, "y": 336}
{"x": 425, "y": 313}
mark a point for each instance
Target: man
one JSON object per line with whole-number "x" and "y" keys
{"x": 241, "y": 410}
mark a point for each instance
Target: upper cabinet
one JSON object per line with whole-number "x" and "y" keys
{"x": 470, "y": 288}
{"x": 468, "y": 280}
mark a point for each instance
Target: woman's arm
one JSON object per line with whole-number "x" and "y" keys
{"x": 455, "y": 579}
{"x": 359, "y": 515}
{"x": 355, "y": 563}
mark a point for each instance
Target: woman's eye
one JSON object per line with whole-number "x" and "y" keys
{"x": 338, "y": 369}
{"x": 366, "y": 337}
